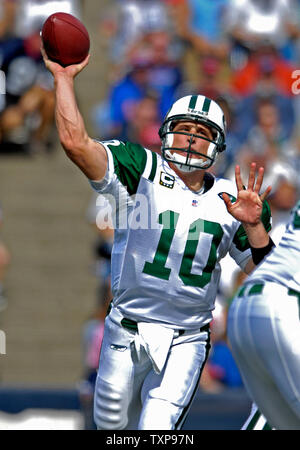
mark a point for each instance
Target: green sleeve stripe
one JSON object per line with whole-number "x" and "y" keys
{"x": 129, "y": 163}
{"x": 154, "y": 167}
{"x": 241, "y": 240}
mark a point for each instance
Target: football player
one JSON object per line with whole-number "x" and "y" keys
{"x": 264, "y": 331}
{"x": 173, "y": 221}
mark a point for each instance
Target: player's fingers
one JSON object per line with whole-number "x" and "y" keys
{"x": 251, "y": 179}
{"x": 75, "y": 69}
{"x": 47, "y": 61}
{"x": 259, "y": 179}
{"x": 85, "y": 62}
{"x": 265, "y": 194}
{"x": 238, "y": 178}
{"x": 227, "y": 200}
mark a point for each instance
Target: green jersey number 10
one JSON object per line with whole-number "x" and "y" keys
{"x": 157, "y": 268}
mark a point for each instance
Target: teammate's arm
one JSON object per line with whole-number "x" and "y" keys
{"x": 88, "y": 155}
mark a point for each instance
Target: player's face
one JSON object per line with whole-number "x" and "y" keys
{"x": 196, "y": 144}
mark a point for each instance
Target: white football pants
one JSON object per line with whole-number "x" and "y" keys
{"x": 264, "y": 332}
{"x": 130, "y": 395}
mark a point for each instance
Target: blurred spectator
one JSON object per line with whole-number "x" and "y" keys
{"x": 164, "y": 72}
{"x": 10, "y": 45}
{"x": 126, "y": 22}
{"x": 211, "y": 80}
{"x": 7, "y": 17}
{"x": 111, "y": 116}
{"x": 265, "y": 71}
{"x": 265, "y": 139}
{"x": 125, "y": 94}
{"x": 234, "y": 137}
{"x": 247, "y": 114}
{"x": 4, "y": 262}
{"x": 252, "y": 22}
{"x": 28, "y": 116}
{"x": 148, "y": 76}
{"x": 200, "y": 23}
{"x": 145, "y": 124}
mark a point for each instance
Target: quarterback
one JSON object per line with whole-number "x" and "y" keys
{"x": 164, "y": 276}
{"x": 264, "y": 331}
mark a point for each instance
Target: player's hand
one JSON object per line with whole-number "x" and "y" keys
{"x": 248, "y": 206}
{"x": 56, "y": 68}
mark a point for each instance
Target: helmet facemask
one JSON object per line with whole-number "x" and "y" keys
{"x": 188, "y": 160}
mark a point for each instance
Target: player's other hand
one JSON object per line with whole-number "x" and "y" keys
{"x": 56, "y": 68}
{"x": 248, "y": 206}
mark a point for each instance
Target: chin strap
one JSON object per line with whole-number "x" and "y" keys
{"x": 181, "y": 161}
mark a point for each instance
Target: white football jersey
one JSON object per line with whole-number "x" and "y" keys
{"x": 282, "y": 264}
{"x": 168, "y": 239}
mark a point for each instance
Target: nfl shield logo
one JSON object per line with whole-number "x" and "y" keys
{"x": 195, "y": 203}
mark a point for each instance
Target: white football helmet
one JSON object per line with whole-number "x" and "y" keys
{"x": 195, "y": 108}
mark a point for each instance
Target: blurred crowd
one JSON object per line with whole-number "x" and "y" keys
{"x": 242, "y": 53}
{"x": 27, "y": 99}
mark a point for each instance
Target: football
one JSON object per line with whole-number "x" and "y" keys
{"x": 65, "y": 39}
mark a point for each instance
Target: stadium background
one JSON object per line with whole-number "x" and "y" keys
{"x": 50, "y": 284}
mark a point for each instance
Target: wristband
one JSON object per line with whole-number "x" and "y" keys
{"x": 258, "y": 254}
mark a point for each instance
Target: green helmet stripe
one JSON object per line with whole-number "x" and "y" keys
{"x": 206, "y": 105}
{"x": 193, "y": 101}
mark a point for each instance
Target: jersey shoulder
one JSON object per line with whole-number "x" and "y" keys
{"x": 130, "y": 161}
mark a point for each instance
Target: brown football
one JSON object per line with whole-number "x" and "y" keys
{"x": 65, "y": 39}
